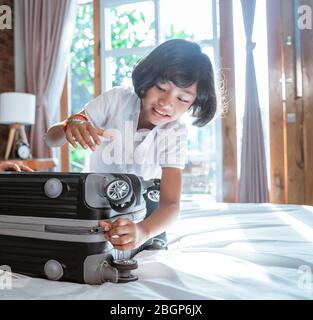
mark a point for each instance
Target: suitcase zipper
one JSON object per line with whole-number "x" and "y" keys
{"x": 96, "y": 230}
{"x": 73, "y": 230}
{"x": 51, "y": 228}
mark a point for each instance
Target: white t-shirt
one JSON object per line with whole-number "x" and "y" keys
{"x": 142, "y": 152}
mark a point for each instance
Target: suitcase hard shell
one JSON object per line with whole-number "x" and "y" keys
{"x": 49, "y": 224}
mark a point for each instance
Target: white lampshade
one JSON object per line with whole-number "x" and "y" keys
{"x": 16, "y": 107}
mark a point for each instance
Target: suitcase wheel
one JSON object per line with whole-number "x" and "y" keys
{"x": 153, "y": 193}
{"x": 124, "y": 268}
{"x": 127, "y": 264}
{"x": 118, "y": 191}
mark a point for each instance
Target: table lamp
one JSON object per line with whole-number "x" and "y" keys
{"x": 17, "y": 110}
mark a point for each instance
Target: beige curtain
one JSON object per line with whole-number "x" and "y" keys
{"x": 43, "y": 24}
{"x": 253, "y": 179}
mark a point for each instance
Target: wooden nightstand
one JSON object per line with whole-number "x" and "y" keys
{"x": 35, "y": 164}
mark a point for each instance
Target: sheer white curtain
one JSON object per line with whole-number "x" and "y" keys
{"x": 58, "y": 77}
{"x": 253, "y": 185}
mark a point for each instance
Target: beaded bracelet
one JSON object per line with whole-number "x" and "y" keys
{"x": 77, "y": 117}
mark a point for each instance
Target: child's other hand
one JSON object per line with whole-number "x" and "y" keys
{"x": 125, "y": 234}
{"x": 85, "y": 134}
{"x": 10, "y": 166}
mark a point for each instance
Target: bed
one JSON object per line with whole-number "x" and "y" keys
{"x": 216, "y": 251}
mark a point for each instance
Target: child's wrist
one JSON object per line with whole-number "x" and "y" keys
{"x": 79, "y": 117}
{"x": 145, "y": 230}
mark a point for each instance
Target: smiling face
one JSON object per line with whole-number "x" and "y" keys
{"x": 165, "y": 102}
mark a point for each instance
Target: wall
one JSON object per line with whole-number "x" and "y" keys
{"x": 291, "y": 112}
{"x": 7, "y": 82}
{"x": 307, "y": 60}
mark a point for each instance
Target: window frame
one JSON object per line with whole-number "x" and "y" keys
{"x": 112, "y": 53}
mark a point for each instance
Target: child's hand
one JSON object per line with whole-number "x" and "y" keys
{"x": 84, "y": 133}
{"x": 10, "y": 166}
{"x": 105, "y": 225}
{"x": 125, "y": 234}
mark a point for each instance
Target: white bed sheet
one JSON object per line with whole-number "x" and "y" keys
{"x": 216, "y": 251}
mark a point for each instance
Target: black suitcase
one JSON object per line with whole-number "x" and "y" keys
{"x": 49, "y": 224}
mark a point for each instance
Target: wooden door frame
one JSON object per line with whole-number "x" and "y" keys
{"x": 229, "y": 128}
{"x": 65, "y": 152}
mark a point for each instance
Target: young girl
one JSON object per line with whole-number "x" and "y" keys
{"x": 139, "y": 130}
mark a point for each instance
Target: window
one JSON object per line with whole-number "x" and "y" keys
{"x": 129, "y": 31}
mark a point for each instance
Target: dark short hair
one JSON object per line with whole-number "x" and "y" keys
{"x": 183, "y": 63}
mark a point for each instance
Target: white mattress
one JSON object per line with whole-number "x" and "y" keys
{"x": 216, "y": 251}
